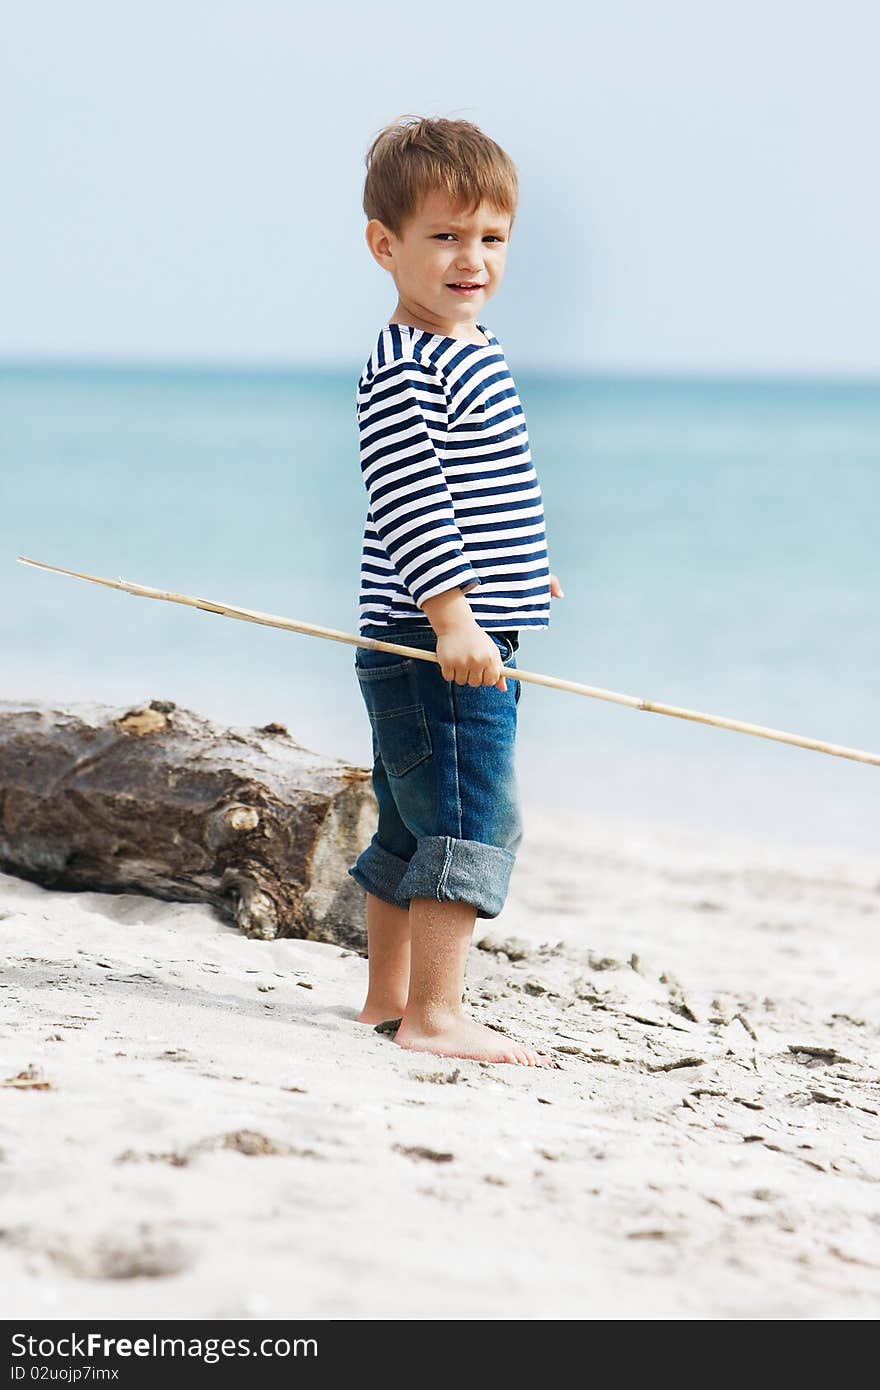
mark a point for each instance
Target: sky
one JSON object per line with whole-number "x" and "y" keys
{"x": 699, "y": 181}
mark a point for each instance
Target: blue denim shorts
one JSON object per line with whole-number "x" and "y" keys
{"x": 444, "y": 777}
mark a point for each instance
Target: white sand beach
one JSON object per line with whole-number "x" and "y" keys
{"x": 194, "y": 1124}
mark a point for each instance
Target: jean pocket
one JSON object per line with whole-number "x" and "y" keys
{"x": 508, "y": 658}
{"x": 397, "y": 715}
{"x": 510, "y": 663}
{"x": 505, "y": 645}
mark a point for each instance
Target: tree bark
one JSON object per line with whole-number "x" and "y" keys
{"x": 157, "y": 800}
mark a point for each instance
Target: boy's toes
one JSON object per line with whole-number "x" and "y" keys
{"x": 525, "y": 1056}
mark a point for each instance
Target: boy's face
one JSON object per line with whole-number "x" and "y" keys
{"x": 440, "y": 246}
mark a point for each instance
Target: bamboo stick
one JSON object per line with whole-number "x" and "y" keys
{"x": 228, "y": 610}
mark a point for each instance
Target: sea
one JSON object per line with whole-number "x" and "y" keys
{"x": 716, "y": 539}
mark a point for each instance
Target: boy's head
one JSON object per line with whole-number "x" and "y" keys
{"x": 441, "y": 199}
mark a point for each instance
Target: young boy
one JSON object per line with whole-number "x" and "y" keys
{"x": 455, "y": 562}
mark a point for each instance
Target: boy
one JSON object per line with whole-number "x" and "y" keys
{"x": 454, "y": 561}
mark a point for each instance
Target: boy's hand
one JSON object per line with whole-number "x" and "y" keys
{"x": 468, "y": 656}
{"x": 555, "y": 588}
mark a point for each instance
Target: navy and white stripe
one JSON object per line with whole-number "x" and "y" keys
{"x": 453, "y": 495}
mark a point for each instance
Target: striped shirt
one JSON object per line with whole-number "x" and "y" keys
{"x": 454, "y": 499}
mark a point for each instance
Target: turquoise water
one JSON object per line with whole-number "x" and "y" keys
{"x": 716, "y": 540}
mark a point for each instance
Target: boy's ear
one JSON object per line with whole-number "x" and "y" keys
{"x": 379, "y": 241}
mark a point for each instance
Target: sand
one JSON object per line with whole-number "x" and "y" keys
{"x": 195, "y": 1125}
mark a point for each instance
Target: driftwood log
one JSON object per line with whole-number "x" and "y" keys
{"x": 157, "y": 800}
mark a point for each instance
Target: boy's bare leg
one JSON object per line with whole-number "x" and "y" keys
{"x": 434, "y": 1020}
{"x": 388, "y": 946}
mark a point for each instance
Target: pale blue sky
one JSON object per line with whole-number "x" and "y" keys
{"x": 699, "y": 178}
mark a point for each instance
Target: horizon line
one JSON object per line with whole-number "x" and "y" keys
{"x": 277, "y": 367}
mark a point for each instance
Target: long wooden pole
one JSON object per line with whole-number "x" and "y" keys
{"x": 248, "y": 615}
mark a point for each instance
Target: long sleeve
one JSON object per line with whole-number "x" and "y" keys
{"x": 410, "y": 503}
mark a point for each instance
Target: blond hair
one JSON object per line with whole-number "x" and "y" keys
{"x": 418, "y": 155}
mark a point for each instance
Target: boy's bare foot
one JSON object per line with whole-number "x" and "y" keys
{"x": 388, "y": 941}
{"x": 456, "y": 1035}
{"x": 373, "y": 1012}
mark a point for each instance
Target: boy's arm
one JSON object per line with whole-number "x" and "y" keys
{"x": 449, "y": 611}
{"x": 410, "y": 502}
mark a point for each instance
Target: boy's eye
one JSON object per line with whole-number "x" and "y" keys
{"x": 491, "y": 237}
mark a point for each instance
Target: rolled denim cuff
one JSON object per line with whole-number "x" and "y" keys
{"x": 379, "y": 871}
{"x": 458, "y": 870}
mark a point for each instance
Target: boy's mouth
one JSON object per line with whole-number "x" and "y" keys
{"x": 465, "y": 287}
